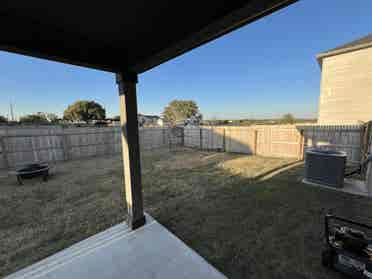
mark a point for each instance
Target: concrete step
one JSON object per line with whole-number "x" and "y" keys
{"x": 148, "y": 252}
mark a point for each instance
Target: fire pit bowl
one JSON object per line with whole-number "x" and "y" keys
{"x": 32, "y": 170}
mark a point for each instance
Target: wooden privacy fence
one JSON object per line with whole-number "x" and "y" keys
{"x": 19, "y": 145}
{"x": 54, "y": 143}
{"x": 273, "y": 141}
{"x": 348, "y": 138}
{"x": 277, "y": 140}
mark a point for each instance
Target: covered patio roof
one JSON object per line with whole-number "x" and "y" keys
{"x": 121, "y": 36}
{"x": 126, "y": 38}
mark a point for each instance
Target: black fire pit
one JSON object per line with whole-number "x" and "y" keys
{"x": 32, "y": 170}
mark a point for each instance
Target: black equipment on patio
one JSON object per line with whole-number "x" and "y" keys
{"x": 348, "y": 249}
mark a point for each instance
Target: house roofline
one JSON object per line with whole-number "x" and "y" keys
{"x": 322, "y": 55}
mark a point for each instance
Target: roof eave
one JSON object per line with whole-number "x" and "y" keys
{"x": 323, "y": 55}
{"x": 213, "y": 31}
{"x": 96, "y": 58}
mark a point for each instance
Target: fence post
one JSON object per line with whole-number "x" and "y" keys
{"x": 163, "y": 132}
{"x": 365, "y": 141}
{"x": 170, "y": 135}
{"x": 301, "y": 146}
{"x": 65, "y": 145}
{"x": 224, "y": 140}
{"x": 4, "y": 152}
{"x": 201, "y": 138}
{"x": 183, "y": 137}
{"x": 255, "y": 132}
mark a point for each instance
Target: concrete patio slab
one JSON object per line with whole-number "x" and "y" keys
{"x": 148, "y": 252}
{"x": 351, "y": 186}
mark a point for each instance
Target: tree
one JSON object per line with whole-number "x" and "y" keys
{"x": 84, "y": 111}
{"x": 3, "y": 119}
{"x": 38, "y": 118}
{"x": 288, "y": 119}
{"x": 181, "y": 110}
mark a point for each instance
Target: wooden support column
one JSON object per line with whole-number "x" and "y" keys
{"x": 130, "y": 148}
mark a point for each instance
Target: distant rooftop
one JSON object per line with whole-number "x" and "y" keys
{"x": 360, "y": 43}
{"x": 149, "y": 116}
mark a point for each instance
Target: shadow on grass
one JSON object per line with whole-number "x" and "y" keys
{"x": 277, "y": 170}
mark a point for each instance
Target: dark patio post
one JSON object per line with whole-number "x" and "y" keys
{"x": 130, "y": 148}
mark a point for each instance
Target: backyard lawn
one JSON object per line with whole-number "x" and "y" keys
{"x": 241, "y": 213}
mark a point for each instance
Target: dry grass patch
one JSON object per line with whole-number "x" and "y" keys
{"x": 189, "y": 159}
{"x": 253, "y": 166}
{"x": 38, "y": 219}
{"x": 246, "y": 227}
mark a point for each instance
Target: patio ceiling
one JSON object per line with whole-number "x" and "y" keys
{"x": 116, "y": 36}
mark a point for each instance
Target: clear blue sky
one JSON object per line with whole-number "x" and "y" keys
{"x": 264, "y": 69}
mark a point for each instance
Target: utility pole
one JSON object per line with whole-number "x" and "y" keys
{"x": 11, "y": 112}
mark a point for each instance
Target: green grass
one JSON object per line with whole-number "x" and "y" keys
{"x": 244, "y": 217}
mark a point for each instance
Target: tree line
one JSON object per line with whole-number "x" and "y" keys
{"x": 177, "y": 112}
{"x": 81, "y": 111}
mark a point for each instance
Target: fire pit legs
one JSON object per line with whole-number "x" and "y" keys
{"x": 31, "y": 171}
{"x": 19, "y": 179}
{"x": 46, "y": 176}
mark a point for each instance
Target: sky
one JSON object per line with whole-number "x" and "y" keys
{"x": 262, "y": 70}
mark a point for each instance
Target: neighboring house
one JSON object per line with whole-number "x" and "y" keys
{"x": 346, "y": 83}
{"x": 143, "y": 121}
{"x": 149, "y": 121}
{"x": 160, "y": 122}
